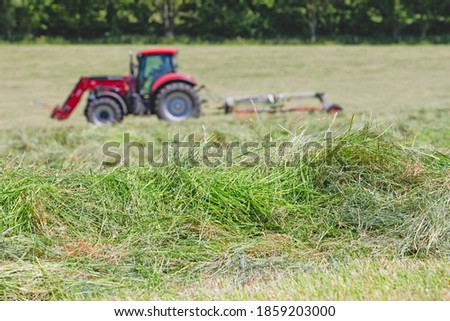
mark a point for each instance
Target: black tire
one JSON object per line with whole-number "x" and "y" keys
{"x": 104, "y": 111}
{"x": 177, "y": 101}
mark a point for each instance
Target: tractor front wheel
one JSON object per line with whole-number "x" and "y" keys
{"x": 177, "y": 101}
{"x": 104, "y": 111}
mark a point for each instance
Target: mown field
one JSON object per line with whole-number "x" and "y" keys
{"x": 367, "y": 218}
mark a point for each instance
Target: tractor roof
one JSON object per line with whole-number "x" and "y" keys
{"x": 158, "y": 51}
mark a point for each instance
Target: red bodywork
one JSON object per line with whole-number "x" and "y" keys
{"x": 115, "y": 84}
{"x": 170, "y": 78}
{"x": 119, "y": 85}
{"x": 158, "y": 51}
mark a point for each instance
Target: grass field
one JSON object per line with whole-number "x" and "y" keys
{"x": 372, "y": 222}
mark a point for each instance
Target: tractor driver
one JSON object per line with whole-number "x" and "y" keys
{"x": 155, "y": 67}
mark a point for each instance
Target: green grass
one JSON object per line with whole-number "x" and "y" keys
{"x": 372, "y": 222}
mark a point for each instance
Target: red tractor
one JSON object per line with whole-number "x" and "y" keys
{"x": 157, "y": 89}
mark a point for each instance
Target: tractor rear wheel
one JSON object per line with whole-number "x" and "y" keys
{"x": 104, "y": 111}
{"x": 177, "y": 101}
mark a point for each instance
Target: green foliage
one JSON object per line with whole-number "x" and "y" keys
{"x": 212, "y": 20}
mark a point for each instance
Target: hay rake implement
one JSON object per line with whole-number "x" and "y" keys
{"x": 273, "y": 103}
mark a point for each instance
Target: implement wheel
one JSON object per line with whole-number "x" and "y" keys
{"x": 335, "y": 108}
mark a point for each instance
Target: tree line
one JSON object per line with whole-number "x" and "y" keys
{"x": 219, "y": 20}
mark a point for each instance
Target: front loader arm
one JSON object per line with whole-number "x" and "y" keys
{"x": 72, "y": 101}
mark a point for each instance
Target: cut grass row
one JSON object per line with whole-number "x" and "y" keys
{"x": 373, "y": 224}
{"x": 363, "y": 279}
{"x": 71, "y": 233}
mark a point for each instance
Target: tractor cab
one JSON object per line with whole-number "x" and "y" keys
{"x": 152, "y": 65}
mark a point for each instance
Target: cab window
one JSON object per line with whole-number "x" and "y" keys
{"x": 151, "y": 68}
